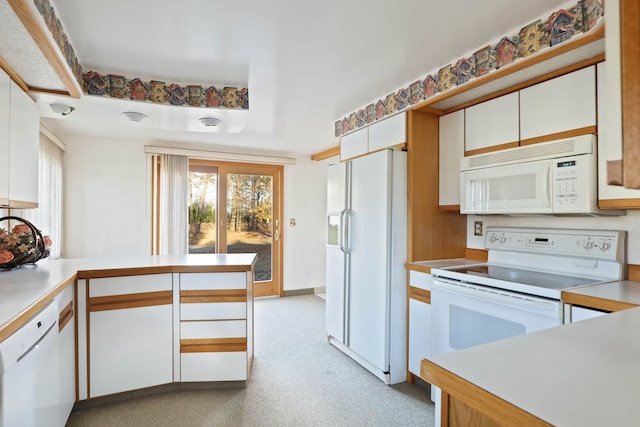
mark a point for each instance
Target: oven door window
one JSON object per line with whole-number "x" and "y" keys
{"x": 464, "y": 331}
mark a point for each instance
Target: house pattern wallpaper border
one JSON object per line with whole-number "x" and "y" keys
{"x": 559, "y": 27}
{"x": 116, "y": 86}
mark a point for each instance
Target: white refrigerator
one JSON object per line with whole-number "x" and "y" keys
{"x": 366, "y": 297}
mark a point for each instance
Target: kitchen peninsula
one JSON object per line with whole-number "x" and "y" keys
{"x": 188, "y": 318}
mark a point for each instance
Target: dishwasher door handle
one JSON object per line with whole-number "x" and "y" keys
{"x": 34, "y": 345}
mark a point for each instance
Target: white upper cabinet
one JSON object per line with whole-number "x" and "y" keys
{"x": 5, "y": 117}
{"x": 388, "y": 132}
{"x": 565, "y": 103}
{"x": 493, "y": 123}
{"x": 24, "y": 131}
{"x": 355, "y": 144}
{"x": 378, "y": 136}
{"x": 609, "y": 145}
{"x": 451, "y": 151}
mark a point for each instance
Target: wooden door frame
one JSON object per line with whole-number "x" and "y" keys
{"x": 277, "y": 171}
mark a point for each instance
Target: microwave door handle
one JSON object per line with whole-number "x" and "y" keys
{"x": 493, "y": 297}
{"x": 549, "y": 185}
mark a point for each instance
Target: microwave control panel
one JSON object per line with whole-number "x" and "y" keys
{"x": 573, "y": 190}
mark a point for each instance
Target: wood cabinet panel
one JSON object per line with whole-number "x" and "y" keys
{"x": 630, "y": 63}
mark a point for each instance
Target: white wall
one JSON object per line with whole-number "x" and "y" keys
{"x": 306, "y": 201}
{"x": 105, "y": 198}
{"x": 629, "y": 223}
{"x": 106, "y": 208}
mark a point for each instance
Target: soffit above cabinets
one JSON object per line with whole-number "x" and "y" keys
{"x": 563, "y": 58}
{"x": 28, "y": 52}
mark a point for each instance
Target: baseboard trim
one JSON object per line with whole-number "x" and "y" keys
{"x": 296, "y": 292}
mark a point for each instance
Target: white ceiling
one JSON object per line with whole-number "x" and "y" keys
{"x": 306, "y": 63}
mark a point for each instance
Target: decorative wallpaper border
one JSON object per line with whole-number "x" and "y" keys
{"x": 559, "y": 27}
{"x": 55, "y": 28}
{"x": 116, "y": 86}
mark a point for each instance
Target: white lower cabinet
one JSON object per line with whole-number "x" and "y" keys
{"x": 215, "y": 327}
{"x": 142, "y": 331}
{"x": 419, "y": 334}
{"x": 130, "y": 333}
{"x": 67, "y": 352}
{"x": 419, "y": 319}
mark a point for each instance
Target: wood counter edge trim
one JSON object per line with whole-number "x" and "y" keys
{"x": 139, "y": 271}
{"x": 598, "y": 303}
{"x": 15, "y": 323}
{"x": 633, "y": 272}
{"x": 419, "y": 294}
{"x": 476, "y": 397}
{"x": 213, "y": 345}
{"x": 122, "y": 301}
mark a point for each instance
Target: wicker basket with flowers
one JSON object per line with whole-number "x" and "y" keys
{"x": 22, "y": 244}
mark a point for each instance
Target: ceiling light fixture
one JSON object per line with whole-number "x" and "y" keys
{"x": 62, "y": 109}
{"x": 134, "y": 117}
{"x": 210, "y": 121}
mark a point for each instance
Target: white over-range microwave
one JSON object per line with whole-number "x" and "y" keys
{"x": 557, "y": 177}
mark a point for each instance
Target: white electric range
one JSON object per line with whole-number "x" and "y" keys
{"x": 519, "y": 289}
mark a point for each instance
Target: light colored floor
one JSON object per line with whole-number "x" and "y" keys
{"x": 298, "y": 379}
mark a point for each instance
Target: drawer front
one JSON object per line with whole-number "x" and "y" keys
{"x": 420, "y": 280}
{"x": 129, "y": 285}
{"x": 213, "y": 311}
{"x": 213, "y": 329}
{"x": 204, "y": 281}
{"x": 231, "y": 366}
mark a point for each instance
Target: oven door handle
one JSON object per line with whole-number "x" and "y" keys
{"x": 494, "y": 296}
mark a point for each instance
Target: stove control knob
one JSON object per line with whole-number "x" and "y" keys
{"x": 503, "y": 239}
{"x": 588, "y": 245}
{"x": 605, "y": 245}
{"x": 492, "y": 238}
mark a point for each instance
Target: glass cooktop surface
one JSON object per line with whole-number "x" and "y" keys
{"x": 526, "y": 277}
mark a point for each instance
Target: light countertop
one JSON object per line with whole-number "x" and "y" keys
{"x": 613, "y": 296}
{"x": 582, "y": 374}
{"x": 25, "y": 290}
{"x": 426, "y": 266}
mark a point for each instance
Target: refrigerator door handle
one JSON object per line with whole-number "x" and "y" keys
{"x": 345, "y": 223}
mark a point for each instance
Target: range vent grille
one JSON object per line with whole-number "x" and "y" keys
{"x": 562, "y": 148}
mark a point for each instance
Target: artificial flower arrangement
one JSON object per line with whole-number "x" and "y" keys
{"x": 22, "y": 244}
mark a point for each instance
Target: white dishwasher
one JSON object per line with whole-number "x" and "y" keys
{"x": 30, "y": 388}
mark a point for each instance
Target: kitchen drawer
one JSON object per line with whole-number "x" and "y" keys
{"x": 213, "y": 311}
{"x": 221, "y": 366}
{"x": 203, "y": 281}
{"x": 213, "y": 329}
{"x": 420, "y": 280}
{"x": 129, "y": 285}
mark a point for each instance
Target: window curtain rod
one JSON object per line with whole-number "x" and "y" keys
{"x": 219, "y": 155}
